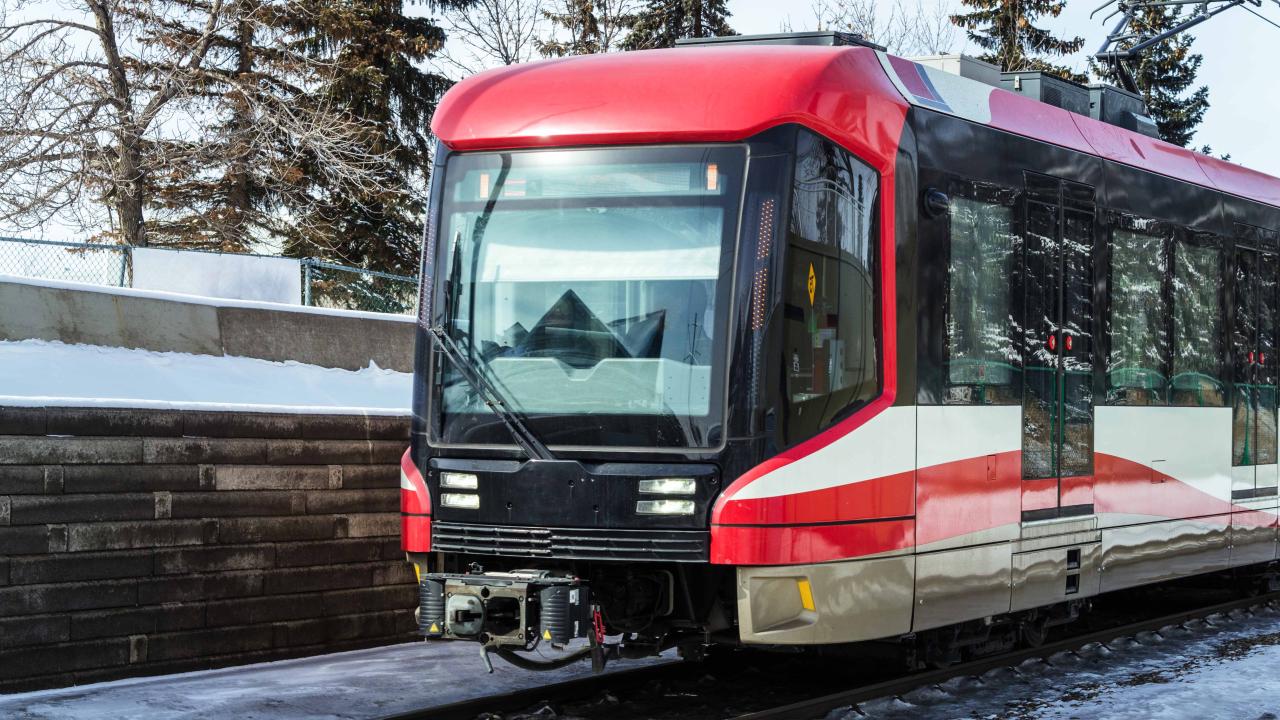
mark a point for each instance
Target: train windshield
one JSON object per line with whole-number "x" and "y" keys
{"x": 590, "y": 288}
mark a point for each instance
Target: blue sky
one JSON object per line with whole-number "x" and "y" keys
{"x": 1240, "y": 60}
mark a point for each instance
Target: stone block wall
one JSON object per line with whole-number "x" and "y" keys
{"x": 138, "y": 542}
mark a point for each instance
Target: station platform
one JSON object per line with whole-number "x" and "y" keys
{"x": 355, "y": 685}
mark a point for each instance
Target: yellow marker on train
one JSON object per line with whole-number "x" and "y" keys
{"x": 806, "y": 594}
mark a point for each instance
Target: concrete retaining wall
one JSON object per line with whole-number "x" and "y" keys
{"x": 121, "y": 317}
{"x": 142, "y": 542}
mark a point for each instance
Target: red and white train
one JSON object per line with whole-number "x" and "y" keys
{"x": 777, "y": 343}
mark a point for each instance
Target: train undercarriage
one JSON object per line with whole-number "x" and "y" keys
{"x": 611, "y": 611}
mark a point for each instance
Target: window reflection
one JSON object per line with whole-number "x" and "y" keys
{"x": 1197, "y": 326}
{"x": 1136, "y": 367}
{"x": 983, "y": 362}
{"x": 830, "y": 336}
{"x": 586, "y": 285}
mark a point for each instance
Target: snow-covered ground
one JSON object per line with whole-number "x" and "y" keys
{"x": 38, "y": 372}
{"x": 1224, "y": 667}
{"x": 358, "y": 685}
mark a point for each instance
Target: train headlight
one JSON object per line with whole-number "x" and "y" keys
{"x": 665, "y": 507}
{"x": 464, "y": 501}
{"x": 669, "y": 486}
{"x": 459, "y": 481}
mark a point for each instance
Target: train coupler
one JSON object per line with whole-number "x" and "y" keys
{"x": 505, "y": 611}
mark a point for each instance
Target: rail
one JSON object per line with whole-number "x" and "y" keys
{"x": 819, "y": 706}
{"x": 645, "y": 679}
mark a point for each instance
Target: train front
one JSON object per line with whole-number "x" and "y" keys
{"x": 612, "y": 331}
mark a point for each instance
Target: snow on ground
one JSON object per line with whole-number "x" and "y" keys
{"x": 39, "y": 372}
{"x": 357, "y": 685}
{"x": 1224, "y": 667}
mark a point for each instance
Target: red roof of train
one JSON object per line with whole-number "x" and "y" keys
{"x": 729, "y": 93}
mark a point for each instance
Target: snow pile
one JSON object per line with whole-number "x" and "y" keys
{"x": 39, "y": 372}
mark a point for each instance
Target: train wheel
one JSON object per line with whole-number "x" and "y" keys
{"x": 1033, "y": 631}
{"x": 938, "y": 649}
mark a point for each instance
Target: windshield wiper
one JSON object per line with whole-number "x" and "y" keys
{"x": 491, "y": 396}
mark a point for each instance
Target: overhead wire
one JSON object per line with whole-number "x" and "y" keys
{"x": 1262, "y": 17}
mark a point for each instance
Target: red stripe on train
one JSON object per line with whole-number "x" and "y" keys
{"x": 951, "y": 500}
{"x": 754, "y": 545}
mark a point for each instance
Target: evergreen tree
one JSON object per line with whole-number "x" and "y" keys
{"x": 1164, "y": 74}
{"x": 577, "y": 19}
{"x": 662, "y": 22}
{"x": 1006, "y": 30}
{"x": 221, "y": 194}
{"x": 378, "y": 51}
{"x": 586, "y": 27}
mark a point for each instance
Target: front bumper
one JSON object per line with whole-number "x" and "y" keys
{"x": 513, "y": 610}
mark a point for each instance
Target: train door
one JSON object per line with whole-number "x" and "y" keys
{"x": 1254, "y": 363}
{"x": 1058, "y": 348}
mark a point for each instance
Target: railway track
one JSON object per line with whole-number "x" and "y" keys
{"x": 819, "y": 706}
{"x": 607, "y": 696}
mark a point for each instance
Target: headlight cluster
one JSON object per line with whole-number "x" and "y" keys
{"x": 667, "y": 506}
{"x": 460, "y": 481}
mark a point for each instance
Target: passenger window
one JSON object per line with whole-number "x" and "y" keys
{"x": 830, "y": 309}
{"x": 1137, "y": 371}
{"x": 1197, "y": 324}
{"x": 983, "y": 366}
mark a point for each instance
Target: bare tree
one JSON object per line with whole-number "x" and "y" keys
{"x": 492, "y": 33}
{"x": 922, "y": 28}
{"x": 861, "y": 17}
{"x": 107, "y": 107}
{"x": 930, "y": 30}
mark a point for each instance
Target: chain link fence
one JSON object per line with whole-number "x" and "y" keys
{"x": 75, "y": 262}
{"x": 324, "y": 284}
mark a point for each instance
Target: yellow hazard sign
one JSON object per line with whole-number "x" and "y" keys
{"x": 546, "y": 634}
{"x": 434, "y": 628}
{"x": 813, "y": 284}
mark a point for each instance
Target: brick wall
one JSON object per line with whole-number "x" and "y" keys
{"x": 138, "y": 542}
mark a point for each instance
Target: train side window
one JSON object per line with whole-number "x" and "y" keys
{"x": 1137, "y": 372}
{"x": 830, "y": 337}
{"x": 1196, "y": 378}
{"x": 983, "y": 364}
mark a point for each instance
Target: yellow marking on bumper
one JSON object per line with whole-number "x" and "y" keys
{"x": 806, "y": 594}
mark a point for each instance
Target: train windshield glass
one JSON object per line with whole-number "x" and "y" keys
{"x": 585, "y": 285}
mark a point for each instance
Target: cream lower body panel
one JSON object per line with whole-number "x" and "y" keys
{"x": 849, "y": 601}
{"x": 1053, "y": 562}
{"x": 1155, "y": 552}
{"x": 959, "y": 585}
{"x": 1252, "y": 542}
